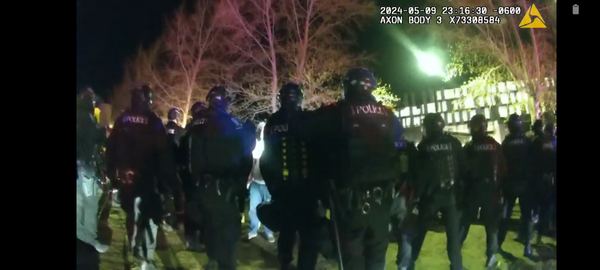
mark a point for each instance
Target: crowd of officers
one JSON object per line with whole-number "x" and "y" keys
{"x": 348, "y": 157}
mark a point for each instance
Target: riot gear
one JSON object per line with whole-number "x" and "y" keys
{"x": 290, "y": 96}
{"x": 478, "y": 126}
{"x": 218, "y": 97}
{"x": 538, "y": 128}
{"x": 358, "y": 83}
{"x": 173, "y": 114}
{"x": 514, "y": 123}
{"x": 485, "y": 176}
{"x": 433, "y": 125}
{"x": 87, "y": 99}
{"x": 142, "y": 98}
{"x": 198, "y": 107}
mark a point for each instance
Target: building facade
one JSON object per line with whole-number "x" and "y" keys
{"x": 457, "y": 107}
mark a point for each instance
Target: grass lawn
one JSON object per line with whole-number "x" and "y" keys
{"x": 259, "y": 254}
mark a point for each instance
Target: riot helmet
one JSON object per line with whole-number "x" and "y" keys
{"x": 514, "y": 123}
{"x": 173, "y": 114}
{"x": 198, "y": 107}
{"x": 142, "y": 98}
{"x": 290, "y": 96}
{"x": 358, "y": 83}
{"x": 478, "y": 126}
{"x": 433, "y": 125}
{"x": 87, "y": 99}
{"x": 537, "y": 127}
{"x": 218, "y": 97}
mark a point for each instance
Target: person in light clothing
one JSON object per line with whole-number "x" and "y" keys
{"x": 258, "y": 193}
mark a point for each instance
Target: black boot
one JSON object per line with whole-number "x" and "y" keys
{"x": 527, "y": 252}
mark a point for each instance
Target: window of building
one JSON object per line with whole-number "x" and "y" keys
{"x": 511, "y": 110}
{"x": 511, "y": 86}
{"x": 448, "y": 94}
{"x": 405, "y": 122}
{"x": 439, "y": 95}
{"x": 449, "y": 118}
{"x": 502, "y": 111}
{"x": 501, "y": 87}
{"x": 457, "y": 116}
{"x": 513, "y": 97}
{"x": 473, "y": 113}
{"x": 465, "y": 116}
{"x": 486, "y": 113}
{"x": 480, "y": 102}
{"x": 503, "y": 98}
{"x": 518, "y": 110}
{"x": 417, "y": 121}
{"x": 430, "y": 107}
{"x": 469, "y": 103}
{"x": 405, "y": 112}
{"x": 444, "y": 106}
{"x": 490, "y": 101}
{"x": 444, "y": 116}
{"x": 416, "y": 110}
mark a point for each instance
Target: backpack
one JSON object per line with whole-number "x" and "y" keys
{"x": 369, "y": 156}
{"x": 215, "y": 146}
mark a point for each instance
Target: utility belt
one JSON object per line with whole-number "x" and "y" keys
{"x": 222, "y": 186}
{"x": 362, "y": 198}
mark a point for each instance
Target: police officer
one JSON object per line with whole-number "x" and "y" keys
{"x": 174, "y": 130}
{"x": 174, "y": 133}
{"x": 442, "y": 167}
{"x": 192, "y": 219}
{"x": 516, "y": 151}
{"x": 357, "y": 137}
{"x": 139, "y": 157}
{"x": 220, "y": 160}
{"x": 543, "y": 157}
{"x": 402, "y": 227}
{"x": 90, "y": 139}
{"x": 486, "y": 169}
{"x": 284, "y": 166}
{"x": 537, "y": 128}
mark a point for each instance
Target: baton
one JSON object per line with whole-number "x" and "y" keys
{"x": 335, "y": 227}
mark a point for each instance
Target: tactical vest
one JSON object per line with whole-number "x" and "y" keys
{"x": 483, "y": 159}
{"x": 368, "y": 155}
{"x": 439, "y": 164}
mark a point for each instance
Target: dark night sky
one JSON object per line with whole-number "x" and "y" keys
{"x": 109, "y": 31}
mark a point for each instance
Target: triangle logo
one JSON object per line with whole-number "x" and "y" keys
{"x": 533, "y": 19}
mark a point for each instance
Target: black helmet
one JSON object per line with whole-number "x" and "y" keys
{"x": 142, "y": 98}
{"x": 198, "y": 107}
{"x": 358, "y": 82}
{"x": 538, "y": 127}
{"x": 87, "y": 99}
{"x": 290, "y": 96}
{"x": 218, "y": 97}
{"x": 433, "y": 124}
{"x": 514, "y": 123}
{"x": 478, "y": 125}
{"x": 173, "y": 114}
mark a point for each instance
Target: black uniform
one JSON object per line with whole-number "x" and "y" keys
{"x": 220, "y": 160}
{"x": 139, "y": 157}
{"x": 543, "y": 150}
{"x": 442, "y": 166}
{"x": 192, "y": 218}
{"x": 402, "y": 227}
{"x": 284, "y": 166}
{"x": 486, "y": 169}
{"x": 358, "y": 149}
{"x": 516, "y": 147}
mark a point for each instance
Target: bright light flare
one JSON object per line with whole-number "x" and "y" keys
{"x": 430, "y": 64}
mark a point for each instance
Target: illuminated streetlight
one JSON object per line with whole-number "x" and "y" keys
{"x": 430, "y": 64}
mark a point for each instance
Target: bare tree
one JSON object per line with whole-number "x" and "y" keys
{"x": 505, "y": 52}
